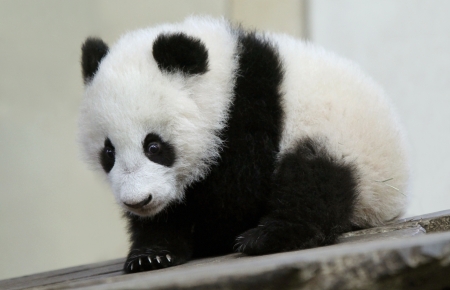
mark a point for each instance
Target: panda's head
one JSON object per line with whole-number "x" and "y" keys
{"x": 143, "y": 119}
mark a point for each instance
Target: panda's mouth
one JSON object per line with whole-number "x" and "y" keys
{"x": 150, "y": 209}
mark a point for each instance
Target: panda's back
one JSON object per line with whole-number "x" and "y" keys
{"x": 331, "y": 100}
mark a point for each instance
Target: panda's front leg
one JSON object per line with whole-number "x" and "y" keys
{"x": 311, "y": 203}
{"x": 162, "y": 241}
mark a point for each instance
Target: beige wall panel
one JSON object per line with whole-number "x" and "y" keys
{"x": 287, "y": 16}
{"x": 53, "y": 211}
{"x": 118, "y": 16}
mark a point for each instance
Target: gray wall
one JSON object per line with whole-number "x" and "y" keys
{"x": 405, "y": 46}
{"x": 55, "y": 213}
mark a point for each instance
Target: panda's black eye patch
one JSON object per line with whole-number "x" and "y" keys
{"x": 158, "y": 151}
{"x": 107, "y": 156}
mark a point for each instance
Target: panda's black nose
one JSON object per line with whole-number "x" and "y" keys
{"x": 139, "y": 204}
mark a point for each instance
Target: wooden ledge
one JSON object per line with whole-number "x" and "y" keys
{"x": 412, "y": 253}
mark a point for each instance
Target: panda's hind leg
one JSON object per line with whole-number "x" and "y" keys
{"x": 311, "y": 203}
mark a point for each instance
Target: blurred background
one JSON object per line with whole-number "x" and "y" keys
{"x": 55, "y": 213}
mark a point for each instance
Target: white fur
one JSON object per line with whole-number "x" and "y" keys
{"x": 324, "y": 97}
{"x": 331, "y": 99}
{"x": 129, "y": 97}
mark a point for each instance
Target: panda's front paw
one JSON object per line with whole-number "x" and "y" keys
{"x": 146, "y": 259}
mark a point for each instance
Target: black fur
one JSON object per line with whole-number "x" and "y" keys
{"x": 107, "y": 156}
{"x": 166, "y": 154}
{"x": 310, "y": 205}
{"x": 233, "y": 197}
{"x": 93, "y": 51}
{"x": 302, "y": 200}
{"x": 179, "y": 52}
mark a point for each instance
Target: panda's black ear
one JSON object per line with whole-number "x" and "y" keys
{"x": 179, "y": 52}
{"x": 93, "y": 51}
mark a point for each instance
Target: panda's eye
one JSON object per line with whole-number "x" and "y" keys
{"x": 109, "y": 152}
{"x": 153, "y": 148}
{"x": 107, "y": 156}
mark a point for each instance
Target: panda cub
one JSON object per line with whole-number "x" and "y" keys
{"x": 215, "y": 139}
